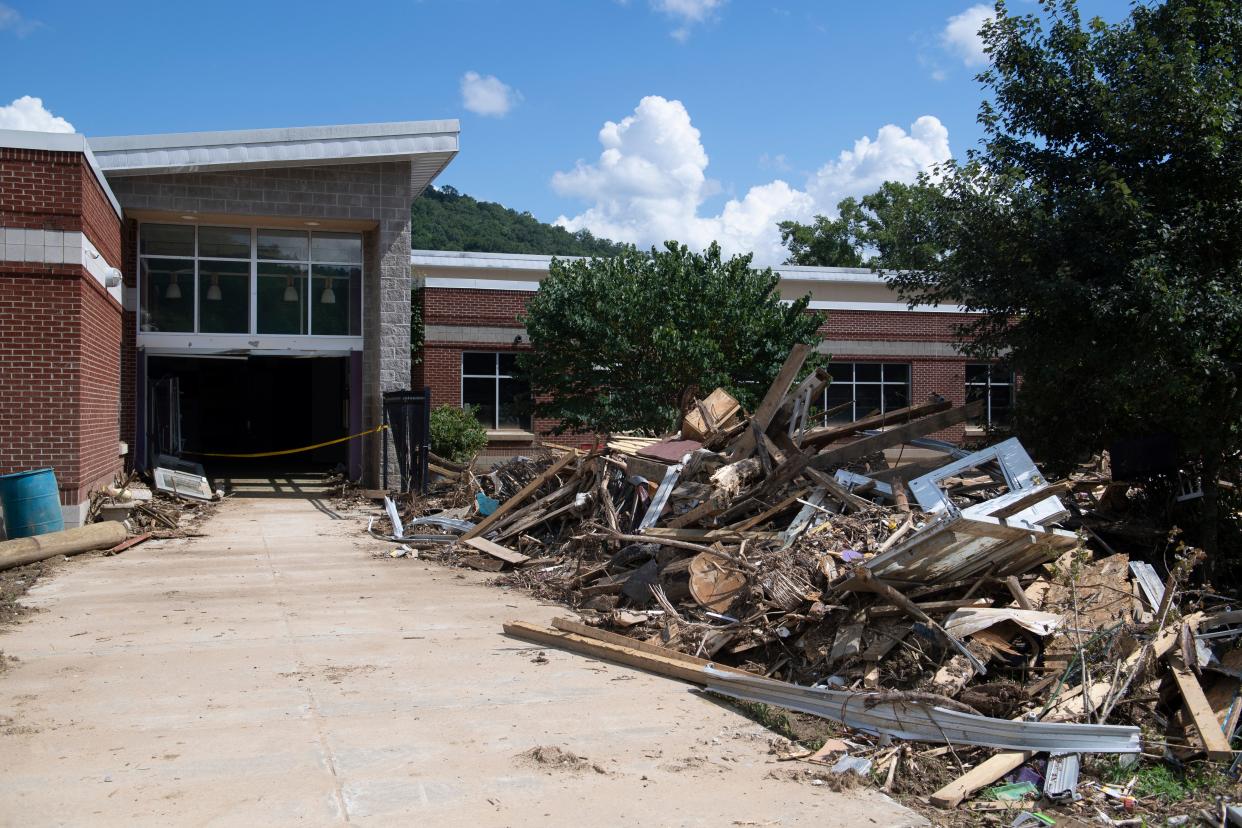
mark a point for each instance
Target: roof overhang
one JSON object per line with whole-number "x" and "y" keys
{"x": 429, "y": 145}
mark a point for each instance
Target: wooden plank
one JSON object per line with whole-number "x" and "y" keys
{"x": 985, "y": 773}
{"x": 497, "y": 551}
{"x": 833, "y": 458}
{"x": 750, "y": 523}
{"x": 626, "y": 654}
{"x": 526, "y": 491}
{"x": 725, "y": 535}
{"x": 1200, "y": 710}
{"x": 820, "y": 437}
{"x": 577, "y": 628}
{"x": 128, "y": 542}
{"x": 1027, "y": 501}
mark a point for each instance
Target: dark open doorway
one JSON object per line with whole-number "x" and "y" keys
{"x": 248, "y": 405}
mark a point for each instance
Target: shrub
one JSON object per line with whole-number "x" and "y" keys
{"x": 456, "y": 433}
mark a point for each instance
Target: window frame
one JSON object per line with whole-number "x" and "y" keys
{"x": 496, "y": 377}
{"x": 987, "y": 385}
{"x": 881, "y": 383}
{"x": 253, "y": 261}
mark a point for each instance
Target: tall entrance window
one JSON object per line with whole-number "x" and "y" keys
{"x": 500, "y": 400}
{"x": 242, "y": 280}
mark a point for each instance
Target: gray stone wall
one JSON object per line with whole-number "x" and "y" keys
{"x": 379, "y": 192}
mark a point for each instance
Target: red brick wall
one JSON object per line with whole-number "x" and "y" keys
{"x": 40, "y": 190}
{"x": 60, "y": 344}
{"x": 99, "y": 220}
{"x": 60, "y": 330}
{"x": 490, "y": 308}
{"x": 893, "y": 326}
{"x": 946, "y": 376}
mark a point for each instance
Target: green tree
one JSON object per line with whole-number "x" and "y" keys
{"x": 826, "y": 242}
{"x": 894, "y": 227}
{"x": 623, "y": 343}
{"x": 444, "y": 219}
{"x": 1099, "y": 229}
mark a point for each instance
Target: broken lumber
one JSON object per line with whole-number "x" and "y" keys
{"x": 745, "y": 443}
{"x": 820, "y": 437}
{"x": 22, "y": 551}
{"x": 497, "y": 551}
{"x": 526, "y": 491}
{"x": 833, "y": 458}
{"x": 985, "y": 773}
{"x": 1197, "y": 706}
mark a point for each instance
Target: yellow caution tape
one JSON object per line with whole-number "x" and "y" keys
{"x": 288, "y": 451}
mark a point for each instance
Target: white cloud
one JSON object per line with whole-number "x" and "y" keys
{"x": 488, "y": 95}
{"x": 688, "y": 12}
{"x": 29, "y": 113}
{"x": 961, "y": 34}
{"x": 11, "y": 20}
{"x": 650, "y": 182}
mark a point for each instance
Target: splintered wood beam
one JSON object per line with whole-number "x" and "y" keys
{"x": 833, "y": 458}
{"x": 526, "y": 491}
{"x": 1200, "y": 710}
{"x": 745, "y": 443}
{"x": 820, "y": 437}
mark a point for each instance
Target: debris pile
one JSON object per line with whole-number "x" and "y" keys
{"x": 162, "y": 513}
{"x": 796, "y": 566}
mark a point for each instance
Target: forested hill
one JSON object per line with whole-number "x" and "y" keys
{"x": 444, "y": 219}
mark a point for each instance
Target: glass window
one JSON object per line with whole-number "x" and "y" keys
{"x": 167, "y": 295}
{"x": 282, "y": 298}
{"x": 861, "y": 389}
{"x": 167, "y": 240}
{"x": 503, "y": 400}
{"x": 224, "y": 243}
{"x": 992, "y": 383}
{"x": 284, "y": 245}
{"x": 223, "y": 296}
{"x": 334, "y": 305}
{"x": 343, "y": 248}
{"x": 305, "y": 283}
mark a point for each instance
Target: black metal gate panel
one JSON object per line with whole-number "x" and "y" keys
{"x": 408, "y": 417}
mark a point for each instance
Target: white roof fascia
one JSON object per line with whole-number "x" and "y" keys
{"x": 59, "y": 142}
{"x": 520, "y": 261}
{"x": 437, "y": 141}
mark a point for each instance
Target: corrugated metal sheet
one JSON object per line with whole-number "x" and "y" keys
{"x": 878, "y": 713}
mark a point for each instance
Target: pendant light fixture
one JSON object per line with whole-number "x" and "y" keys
{"x": 174, "y": 289}
{"x": 328, "y": 297}
{"x": 213, "y": 290}
{"x": 291, "y": 293}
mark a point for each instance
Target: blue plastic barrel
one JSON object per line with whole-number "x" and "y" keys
{"x": 31, "y": 503}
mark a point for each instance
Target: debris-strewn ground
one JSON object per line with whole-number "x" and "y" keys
{"x": 802, "y": 553}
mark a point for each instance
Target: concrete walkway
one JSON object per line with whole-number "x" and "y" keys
{"x": 276, "y": 673}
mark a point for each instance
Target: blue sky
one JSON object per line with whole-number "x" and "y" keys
{"x": 738, "y": 110}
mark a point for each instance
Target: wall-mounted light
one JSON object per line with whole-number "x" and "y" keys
{"x": 112, "y": 278}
